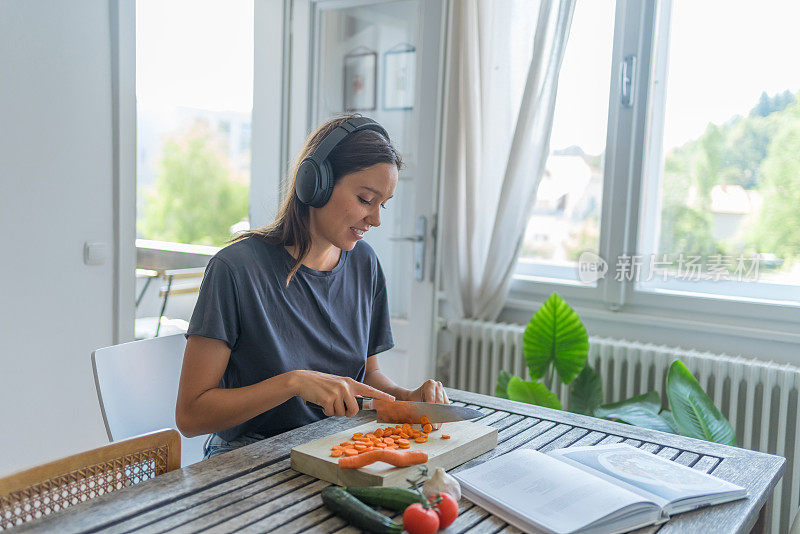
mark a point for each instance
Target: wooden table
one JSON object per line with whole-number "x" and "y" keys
{"x": 253, "y": 489}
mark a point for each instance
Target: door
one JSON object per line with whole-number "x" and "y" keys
{"x": 382, "y": 59}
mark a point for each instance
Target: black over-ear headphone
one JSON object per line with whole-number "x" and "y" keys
{"x": 314, "y": 181}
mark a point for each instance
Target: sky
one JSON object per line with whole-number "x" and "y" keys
{"x": 723, "y": 55}
{"x": 199, "y": 53}
{"x": 195, "y": 53}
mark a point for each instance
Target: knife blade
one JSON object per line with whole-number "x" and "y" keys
{"x": 412, "y": 412}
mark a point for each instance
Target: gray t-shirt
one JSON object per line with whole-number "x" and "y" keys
{"x": 327, "y": 321}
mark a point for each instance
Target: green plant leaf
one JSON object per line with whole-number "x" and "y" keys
{"x": 502, "y": 384}
{"x": 667, "y": 416}
{"x": 586, "y": 392}
{"x": 555, "y": 336}
{"x": 695, "y": 414}
{"x": 650, "y": 400}
{"x": 641, "y": 411}
{"x": 532, "y": 393}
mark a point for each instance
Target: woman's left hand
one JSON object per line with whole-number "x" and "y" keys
{"x": 430, "y": 391}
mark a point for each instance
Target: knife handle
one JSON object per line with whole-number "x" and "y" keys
{"x": 362, "y": 401}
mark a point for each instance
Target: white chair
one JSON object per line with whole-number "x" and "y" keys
{"x": 137, "y": 386}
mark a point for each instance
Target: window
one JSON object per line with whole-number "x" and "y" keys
{"x": 686, "y": 201}
{"x": 565, "y": 220}
{"x": 721, "y": 184}
{"x": 194, "y": 95}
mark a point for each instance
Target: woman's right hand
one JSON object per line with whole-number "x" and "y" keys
{"x": 335, "y": 394}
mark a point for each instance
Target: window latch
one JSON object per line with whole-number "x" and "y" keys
{"x": 627, "y": 84}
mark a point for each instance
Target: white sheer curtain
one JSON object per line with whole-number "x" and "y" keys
{"x": 498, "y": 124}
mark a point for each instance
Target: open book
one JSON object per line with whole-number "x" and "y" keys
{"x": 600, "y": 489}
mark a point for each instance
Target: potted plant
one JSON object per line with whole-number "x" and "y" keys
{"x": 556, "y": 346}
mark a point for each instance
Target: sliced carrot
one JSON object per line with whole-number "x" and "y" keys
{"x": 395, "y": 458}
{"x": 424, "y": 420}
{"x": 350, "y": 452}
{"x": 336, "y": 454}
{"x": 445, "y": 436}
{"x": 427, "y": 428}
{"x": 420, "y": 439}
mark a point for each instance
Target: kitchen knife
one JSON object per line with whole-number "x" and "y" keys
{"x": 411, "y": 412}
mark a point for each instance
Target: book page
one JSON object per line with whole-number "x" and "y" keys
{"x": 548, "y": 492}
{"x": 654, "y": 475}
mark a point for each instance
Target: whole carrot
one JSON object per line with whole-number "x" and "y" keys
{"x": 396, "y": 458}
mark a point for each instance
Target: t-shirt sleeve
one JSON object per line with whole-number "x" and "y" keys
{"x": 216, "y": 314}
{"x": 380, "y": 329}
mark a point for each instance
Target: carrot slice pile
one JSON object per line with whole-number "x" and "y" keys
{"x": 389, "y": 438}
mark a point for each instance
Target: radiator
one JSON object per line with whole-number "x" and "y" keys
{"x": 759, "y": 398}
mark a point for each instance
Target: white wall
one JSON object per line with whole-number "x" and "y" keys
{"x": 56, "y": 192}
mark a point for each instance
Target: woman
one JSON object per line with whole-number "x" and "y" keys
{"x": 296, "y": 311}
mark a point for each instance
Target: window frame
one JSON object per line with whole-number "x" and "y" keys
{"x": 637, "y": 33}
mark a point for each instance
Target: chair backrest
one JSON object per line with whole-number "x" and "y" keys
{"x": 137, "y": 385}
{"x": 56, "y": 485}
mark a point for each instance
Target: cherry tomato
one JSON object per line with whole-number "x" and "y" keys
{"x": 418, "y": 520}
{"x": 446, "y": 509}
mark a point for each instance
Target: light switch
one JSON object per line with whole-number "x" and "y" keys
{"x": 94, "y": 253}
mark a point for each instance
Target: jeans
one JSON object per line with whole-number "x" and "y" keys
{"x": 216, "y": 445}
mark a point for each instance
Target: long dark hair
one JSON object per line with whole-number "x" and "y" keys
{"x": 354, "y": 153}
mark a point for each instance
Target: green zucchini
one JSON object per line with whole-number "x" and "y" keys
{"x": 397, "y": 499}
{"x": 357, "y": 513}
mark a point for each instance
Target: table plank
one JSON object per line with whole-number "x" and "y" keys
{"x": 254, "y": 490}
{"x": 506, "y": 423}
{"x": 489, "y": 525}
{"x": 107, "y": 510}
{"x": 315, "y": 514}
{"x": 593, "y": 423}
{"x": 650, "y": 447}
{"x": 687, "y": 458}
{"x": 707, "y": 463}
{"x": 179, "y": 512}
{"x": 739, "y": 516}
{"x": 268, "y": 508}
{"x": 468, "y": 518}
{"x": 754, "y": 472}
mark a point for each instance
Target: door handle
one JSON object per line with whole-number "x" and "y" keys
{"x": 419, "y": 246}
{"x": 628, "y": 82}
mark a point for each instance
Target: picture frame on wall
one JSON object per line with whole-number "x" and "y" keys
{"x": 399, "y": 77}
{"x": 360, "y": 81}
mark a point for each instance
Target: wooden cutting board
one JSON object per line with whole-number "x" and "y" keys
{"x": 467, "y": 440}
